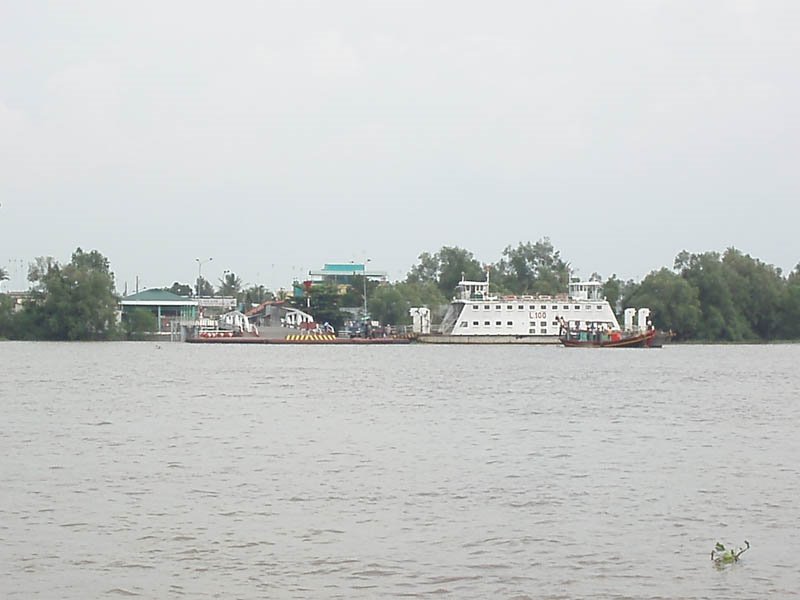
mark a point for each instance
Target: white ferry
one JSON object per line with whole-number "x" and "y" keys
{"x": 476, "y": 315}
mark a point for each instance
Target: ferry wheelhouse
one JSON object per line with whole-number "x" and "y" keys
{"x": 475, "y": 312}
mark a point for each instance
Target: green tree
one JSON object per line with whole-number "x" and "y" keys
{"x": 73, "y": 302}
{"x": 353, "y": 296}
{"x": 672, "y": 299}
{"x": 426, "y": 270}
{"x": 204, "y": 288}
{"x": 626, "y": 290}
{"x": 138, "y": 323}
{"x": 758, "y": 291}
{"x": 256, "y": 294}
{"x": 387, "y": 305}
{"x": 612, "y": 289}
{"x": 230, "y": 285}
{"x": 6, "y": 317}
{"x": 682, "y": 261}
{"x": 322, "y": 303}
{"x": 455, "y": 263}
{"x": 794, "y": 276}
{"x": 3, "y": 274}
{"x": 40, "y": 266}
{"x": 421, "y": 294}
{"x": 721, "y": 317}
{"x": 181, "y": 289}
{"x": 790, "y": 307}
{"x": 533, "y": 269}
{"x": 390, "y": 303}
{"x": 446, "y": 268}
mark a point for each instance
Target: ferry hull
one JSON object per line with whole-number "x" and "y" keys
{"x": 536, "y": 340}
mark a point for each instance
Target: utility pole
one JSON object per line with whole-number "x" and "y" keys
{"x": 200, "y": 264}
{"x": 365, "y": 289}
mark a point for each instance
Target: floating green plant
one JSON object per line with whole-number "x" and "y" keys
{"x": 725, "y": 556}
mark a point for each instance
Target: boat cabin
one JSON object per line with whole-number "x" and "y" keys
{"x": 586, "y": 290}
{"x": 473, "y": 290}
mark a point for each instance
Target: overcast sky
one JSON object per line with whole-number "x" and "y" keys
{"x": 277, "y": 136}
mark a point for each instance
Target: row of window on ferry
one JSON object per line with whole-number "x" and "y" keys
{"x": 542, "y": 324}
{"x": 532, "y": 307}
{"x": 500, "y": 323}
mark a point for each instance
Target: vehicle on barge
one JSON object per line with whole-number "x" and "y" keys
{"x": 235, "y": 327}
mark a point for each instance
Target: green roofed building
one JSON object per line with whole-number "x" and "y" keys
{"x": 343, "y": 273}
{"x": 167, "y": 307}
{"x": 164, "y": 305}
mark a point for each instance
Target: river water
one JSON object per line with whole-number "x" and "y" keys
{"x": 177, "y": 470}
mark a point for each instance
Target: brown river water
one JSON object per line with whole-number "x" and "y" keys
{"x": 172, "y": 470}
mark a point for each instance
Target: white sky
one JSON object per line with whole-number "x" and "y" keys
{"x": 277, "y": 136}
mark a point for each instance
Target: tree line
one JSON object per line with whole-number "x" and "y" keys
{"x": 709, "y": 296}
{"x": 230, "y": 285}
{"x": 75, "y": 301}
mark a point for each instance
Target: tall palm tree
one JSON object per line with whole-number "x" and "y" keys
{"x": 230, "y": 285}
{"x": 256, "y": 294}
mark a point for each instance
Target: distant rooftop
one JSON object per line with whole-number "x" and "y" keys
{"x": 347, "y": 270}
{"x": 155, "y": 295}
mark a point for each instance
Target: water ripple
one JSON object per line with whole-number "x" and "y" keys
{"x": 396, "y": 472}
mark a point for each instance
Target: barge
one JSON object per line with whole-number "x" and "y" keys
{"x": 300, "y": 340}
{"x": 235, "y": 328}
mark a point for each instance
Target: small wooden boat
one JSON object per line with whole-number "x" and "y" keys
{"x": 614, "y": 339}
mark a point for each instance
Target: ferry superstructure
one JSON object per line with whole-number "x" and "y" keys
{"x": 474, "y": 312}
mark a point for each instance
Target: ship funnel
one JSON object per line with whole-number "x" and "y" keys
{"x": 421, "y": 319}
{"x": 643, "y": 319}
{"x": 629, "y": 315}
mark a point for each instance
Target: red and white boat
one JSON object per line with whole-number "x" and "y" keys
{"x": 638, "y": 334}
{"x": 613, "y": 339}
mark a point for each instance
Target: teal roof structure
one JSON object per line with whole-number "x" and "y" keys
{"x": 338, "y": 270}
{"x": 156, "y": 295}
{"x": 346, "y": 268}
